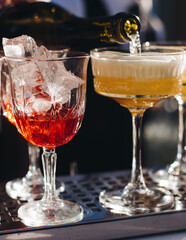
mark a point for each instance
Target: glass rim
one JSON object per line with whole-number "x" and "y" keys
{"x": 170, "y": 43}
{"x": 169, "y": 51}
{"x": 77, "y": 55}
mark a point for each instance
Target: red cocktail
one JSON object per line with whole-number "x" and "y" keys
{"x": 48, "y": 130}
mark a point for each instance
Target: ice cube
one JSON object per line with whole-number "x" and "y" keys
{"x": 22, "y": 46}
{"x": 43, "y": 85}
{"x": 68, "y": 79}
{"x": 39, "y": 84}
{"x": 60, "y": 81}
{"x": 38, "y": 105}
{"x": 65, "y": 79}
{"x": 38, "y": 92}
{"x": 43, "y": 52}
{"x": 27, "y": 80}
{"x": 26, "y": 73}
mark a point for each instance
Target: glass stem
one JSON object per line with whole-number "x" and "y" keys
{"x": 184, "y": 132}
{"x": 33, "y": 153}
{"x": 137, "y": 178}
{"x": 180, "y": 148}
{"x": 34, "y": 175}
{"x": 177, "y": 166}
{"x": 181, "y": 132}
{"x": 49, "y": 159}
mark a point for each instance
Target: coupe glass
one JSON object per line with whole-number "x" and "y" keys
{"x": 48, "y": 104}
{"x": 137, "y": 82}
{"x": 31, "y": 186}
{"x": 175, "y": 174}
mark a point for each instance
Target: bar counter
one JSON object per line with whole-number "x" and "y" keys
{"x": 98, "y": 223}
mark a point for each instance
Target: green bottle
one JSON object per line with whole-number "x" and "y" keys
{"x": 51, "y": 25}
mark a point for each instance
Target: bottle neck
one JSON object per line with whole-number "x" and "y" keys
{"x": 117, "y": 29}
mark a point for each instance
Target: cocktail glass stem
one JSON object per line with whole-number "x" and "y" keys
{"x": 50, "y": 209}
{"x": 137, "y": 178}
{"x": 137, "y": 184}
{"x": 49, "y": 159}
{"x": 34, "y": 175}
{"x": 31, "y": 185}
{"x": 174, "y": 175}
{"x": 136, "y": 197}
{"x": 178, "y": 166}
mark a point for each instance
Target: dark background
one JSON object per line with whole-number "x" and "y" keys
{"x": 104, "y": 141}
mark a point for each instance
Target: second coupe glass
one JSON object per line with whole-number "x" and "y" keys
{"x": 174, "y": 175}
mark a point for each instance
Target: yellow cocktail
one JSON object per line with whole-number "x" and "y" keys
{"x": 124, "y": 80}
{"x": 183, "y": 89}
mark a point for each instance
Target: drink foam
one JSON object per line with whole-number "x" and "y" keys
{"x": 138, "y": 66}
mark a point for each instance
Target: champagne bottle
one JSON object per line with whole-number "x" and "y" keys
{"x": 51, "y": 25}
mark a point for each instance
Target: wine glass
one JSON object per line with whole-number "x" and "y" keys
{"x": 48, "y": 104}
{"x": 137, "y": 82}
{"x": 31, "y": 186}
{"x": 175, "y": 174}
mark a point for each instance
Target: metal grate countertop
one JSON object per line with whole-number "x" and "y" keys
{"x": 98, "y": 223}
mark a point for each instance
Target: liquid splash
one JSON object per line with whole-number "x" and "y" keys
{"x": 135, "y": 44}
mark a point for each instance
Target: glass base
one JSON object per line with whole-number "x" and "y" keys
{"x": 19, "y": 189}
{"x": 137, "y": 202}
{"x": 164, "y": 179}
{"x": 40, "y": 213}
